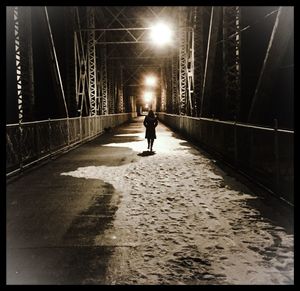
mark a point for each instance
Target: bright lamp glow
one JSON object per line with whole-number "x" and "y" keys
{"x": 148, "y": 96}
{"x": 161, "y": 34}
{"x": 150, "y": 80}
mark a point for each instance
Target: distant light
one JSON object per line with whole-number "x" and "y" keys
{"x": 161, "y": 34}
{"x": 148, "y": 96}
{"x": 146, "y": 105}
{"x": 150, "y": 81}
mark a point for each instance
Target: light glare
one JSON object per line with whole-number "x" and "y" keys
{"x": 148, "y": 96}
{"x": 150, "y": 81}
{"x": 161, "y": 34}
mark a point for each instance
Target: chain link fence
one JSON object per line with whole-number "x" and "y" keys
{"x": 264, "y": 154}
{"x": 30, "y": 142}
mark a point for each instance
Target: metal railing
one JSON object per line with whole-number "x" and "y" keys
{"x": 30, "y": 142}
{"x": 262, "y": 153}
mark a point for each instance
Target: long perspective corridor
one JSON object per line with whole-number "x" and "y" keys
{"x": 90, "y": 202}
{"x": 109, "y": 213}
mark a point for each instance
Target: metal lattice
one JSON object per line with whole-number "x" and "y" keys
{"x": 92, "y": 62}
{"x": 231, "y": 59}
{"x": 182, "y": 63}
{"x": 175, "y": 82}
{"x": 81, "y": 78}
{"x": 215, "y": 17}
{"x": 164, "y": 85}
{"x": 103, "y": 68}
{"x": 110, "y": 88}
{"x": 18, "y": 63}
{"x": 190, "y": 64}
{"x": 198, "y": 57}
{"x": 120, "y": 93}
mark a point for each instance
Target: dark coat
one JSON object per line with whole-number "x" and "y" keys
{"x": 150, "y": 124}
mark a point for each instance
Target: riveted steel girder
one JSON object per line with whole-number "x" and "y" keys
{"x": 231, "y": 60}
{"x": 24, "y": 62}
{"x": 92, "y": 73}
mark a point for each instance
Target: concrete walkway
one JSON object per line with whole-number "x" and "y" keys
{"x": 109, "y": 212}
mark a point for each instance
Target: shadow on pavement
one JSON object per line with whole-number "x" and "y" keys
{"x": 146, "y": 153}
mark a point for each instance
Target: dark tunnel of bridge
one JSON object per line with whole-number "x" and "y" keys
{"x": 217, "y": 207}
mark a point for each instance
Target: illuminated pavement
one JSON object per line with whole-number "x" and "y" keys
{"x": 110, "y": 213}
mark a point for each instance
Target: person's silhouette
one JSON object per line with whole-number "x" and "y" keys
{"x": 150, "y": 122}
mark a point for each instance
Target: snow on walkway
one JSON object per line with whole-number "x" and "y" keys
{"x": 179, "y": 222}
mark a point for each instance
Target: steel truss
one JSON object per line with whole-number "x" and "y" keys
{"x": 231, "y": 60}
{"x": 110, "y": 88}
{"x": 163, "y": 86}
{"x": 210, "y": 59}
{"x": 81, "y": 77}
{"x": 190, "y": 61}
{"x": 168, "y": 75}
{"x": 69, "y": 14}
{"x": 92, "y": 74}
{"x": 103, "y": 76}
{"x": 186, "y": 62}
{"x": 175, "y": 78}
{"x": 198, "y": 15}
{"x": 182, "y": 62}
{"x": 120, "y": 91}
{"x": 24, "y": 62}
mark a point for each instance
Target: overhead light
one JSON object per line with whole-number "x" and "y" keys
{"x": 161, "y": 34}
{"x": 150, "y": 81}
{"x": 148, "y": 96}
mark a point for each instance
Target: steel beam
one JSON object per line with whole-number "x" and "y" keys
{"x": 120, "y": 91}
{"x": 210, "y": 58}
{"x": 110, "y": 87}
{"x": 231, "y": 61}
{"x": 55, "y": 62}
{"x": 18, "y": 63}
{"x": 279, "y": 39}
{"x": 103, "y": 68}
{"x": 190, "y": 61}
{"x": 175, "y": 79}
{"x": 198, "y": 56}
{"x": 24, "y": 62}
{"x": 182, "y": 62}
{"x": 92, "y": 73}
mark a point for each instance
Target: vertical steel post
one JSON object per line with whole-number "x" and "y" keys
{"x": 231, "y": 60}
{"x": 54, "y": 57}
{"x": 18, "y": 63}
{"x": 121, "y": 101}
{"x": 92, "y": 73}
{"x": 190, "y": 71}
{"x": 103, "y": 68}
{"x": 182, "y": 62}
{"x": 175, "y": 82}
{"x": 198, "y": 56}
{"x": 210, "y": 57}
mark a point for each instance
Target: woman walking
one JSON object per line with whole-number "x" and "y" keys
{"x": 150, "y": 122}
